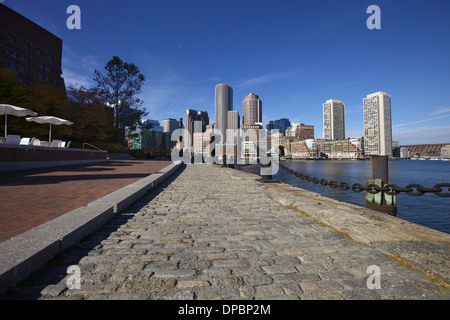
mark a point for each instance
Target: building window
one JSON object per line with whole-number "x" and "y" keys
{"x": 26, "y": 45}
{"x": 39, "y": 52}
{"x": 11, "y": 38}
{"x": 50, "y": 57}
{"x": 23, "y": 57}
{"x": 12, "y": 53}
{"x": 11, "y": 65}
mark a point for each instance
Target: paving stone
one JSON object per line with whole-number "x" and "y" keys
{"x": 269, "y": 290}
{"x": 54, "y": 290}
{"x": 224, "y": 238}
{"x": 168, "y": 274}
{"x": 234, "y": 263}
{"x": 322, "y": 285}
{"x": 191, "y": 284}
{"x": 279, "y": 269}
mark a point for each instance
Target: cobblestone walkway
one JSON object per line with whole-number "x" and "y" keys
{"x": 214, "y": 233}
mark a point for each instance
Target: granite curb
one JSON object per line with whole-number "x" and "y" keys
{"x": 30, "y": 251}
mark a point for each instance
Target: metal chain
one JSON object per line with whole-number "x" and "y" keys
{"x": 414, "y": 190}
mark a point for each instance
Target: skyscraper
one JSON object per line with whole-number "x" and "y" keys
{"x": 191, "y": 117}
{"x": 282, "y": 124}
{"x": 251, "y": 109}
{"x": 233, "y": 123}
{"x": 170, "y": 125}
{"x": 334, "y": 120}
{"x": 377, "y": 124}
{"x": 224, "y": 103}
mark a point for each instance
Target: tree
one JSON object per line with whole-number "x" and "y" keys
{"x": 122, "y": 82}
{"x": 41, "y": 98}
{"x": 93, "y": 120}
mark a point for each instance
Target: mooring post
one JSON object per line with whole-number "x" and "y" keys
{"x": 266, "y": 170}
{"x": 381, "y": 201}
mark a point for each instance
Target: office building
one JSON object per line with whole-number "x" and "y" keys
{"x": 30, "y": 50}
{"x": 223, "y": 104}
{"x": 151, "y": 125}
{"x": 334, "y": 120}
{"x": 170, "y": 125}
{"x": 304, "y": 132}
{"x": 377, "y": 124}
{"x": 233, "y": 123}
{"x": 193, "y": 116}
{"x": 251, "y": 109}
{"x": 202, "y": 144}
{"x": 339, "y": 149}
{"x": 233, "y": 120}
{"x": 300, "y": 131}
{"x": 282, "y": 124}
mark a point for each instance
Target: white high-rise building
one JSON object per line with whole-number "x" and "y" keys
{"x": 377, "y": 124}
{"x": 334, "y": 120}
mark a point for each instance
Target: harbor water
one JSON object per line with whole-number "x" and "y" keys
{"x": 427, "y": 210}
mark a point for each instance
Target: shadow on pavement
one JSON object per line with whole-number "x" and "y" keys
{"x": 56, "y": 270}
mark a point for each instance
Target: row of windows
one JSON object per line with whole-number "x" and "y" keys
{"x": 26, "y": 71}
{"x": 21, "y": 56}
{"x": 27, "y": 46}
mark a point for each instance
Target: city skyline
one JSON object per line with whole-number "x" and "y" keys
{"x": 185, "y": 49}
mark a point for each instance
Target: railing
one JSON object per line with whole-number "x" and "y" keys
{"x": 91, "y": 146}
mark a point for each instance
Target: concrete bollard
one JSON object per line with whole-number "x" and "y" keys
{"x": 264, "y": 169}
{"x": 381, "y": 201}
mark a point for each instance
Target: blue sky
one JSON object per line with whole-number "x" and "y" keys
{"x": 294, "y": 54}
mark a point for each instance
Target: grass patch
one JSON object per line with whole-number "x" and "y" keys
{"x": 354, "y": 244}
{"x": 342, "y": 234}
{"x": 323, "y": 224}
{"x": 432, "y": 278}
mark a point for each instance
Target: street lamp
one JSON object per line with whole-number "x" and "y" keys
{"x": 111, "y": 105}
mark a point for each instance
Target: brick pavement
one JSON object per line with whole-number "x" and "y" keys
{"x": 33, "y": 197}
{"x": 212, "y": 233}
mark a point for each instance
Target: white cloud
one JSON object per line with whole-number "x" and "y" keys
{"x": 419, "y": 121}
{"x": 440, "y": 111}
{"x": 272, "y": 77}
{"x": 78, "y": 70}
{"x": 423, "y": 136}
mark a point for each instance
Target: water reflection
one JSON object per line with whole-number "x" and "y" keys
{"x": 428, "y": 210}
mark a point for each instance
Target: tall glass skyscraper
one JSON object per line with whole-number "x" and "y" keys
{"x": 282, "y": 124}
{"x": 224, "y": 103}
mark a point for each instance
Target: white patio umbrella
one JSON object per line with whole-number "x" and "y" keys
{"x": 52, "y": 121}
{"x": 7, "y": 109}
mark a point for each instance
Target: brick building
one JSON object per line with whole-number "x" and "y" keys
{"x": 33, "y": 52}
